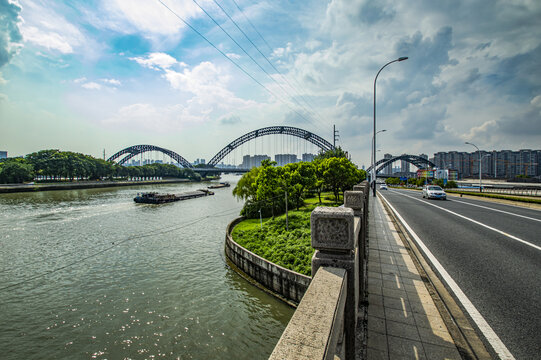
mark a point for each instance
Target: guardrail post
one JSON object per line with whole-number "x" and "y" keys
{"x": 355, "y": 200}
{"x": 334, "y": 235}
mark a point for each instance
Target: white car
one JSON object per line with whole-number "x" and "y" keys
{"x": 434, "y": 192}
{"x": 383, "y": 187}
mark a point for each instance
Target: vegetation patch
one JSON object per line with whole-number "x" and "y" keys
{"x": 289, "y": 249}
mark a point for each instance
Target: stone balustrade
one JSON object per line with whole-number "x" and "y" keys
{"x": 324, "y": 324}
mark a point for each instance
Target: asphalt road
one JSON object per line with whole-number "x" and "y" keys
{"x": 494, "y": 259}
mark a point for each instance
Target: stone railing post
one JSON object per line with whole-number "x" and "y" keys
{"x": 334, "y": 236}
{"x": 355, "y": 200}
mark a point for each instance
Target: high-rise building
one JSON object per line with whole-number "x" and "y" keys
{"x": 282, "y": 159}
{"x": 249, "y": 162}
{"x": 388, "y": 170}
{"x": 404, "y": 166}
{"x": 3, "y": 154}
{"x": 308, "y": 157}
{"x": 494, "y": 164}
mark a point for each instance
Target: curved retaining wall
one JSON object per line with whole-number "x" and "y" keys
{"x": 285, "y": 283}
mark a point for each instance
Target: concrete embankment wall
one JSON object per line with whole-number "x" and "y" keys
{"x": 285, "y": 283}
{"x": 83, "y": 185}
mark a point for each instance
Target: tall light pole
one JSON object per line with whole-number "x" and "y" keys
{"x": 374, "y": 132}
{"x": 469, "y": 143}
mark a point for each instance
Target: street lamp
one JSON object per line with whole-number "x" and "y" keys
{"x": 374, "y": 132}
{"x": 373, "y": 156}
{"x": 469, "y": 143}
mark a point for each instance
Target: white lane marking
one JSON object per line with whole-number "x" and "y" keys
{"x": 475, "y": 222}
{"x": 498, "y": 210}
{"x": 493, "y": 339}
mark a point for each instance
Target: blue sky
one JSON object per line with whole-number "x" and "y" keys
{"x": 94, "y": 75}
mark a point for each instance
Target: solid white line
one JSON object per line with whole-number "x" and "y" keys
{"x": 492, "y": 338}
{"x": 502, "y": 211}
{"x": 476, "y": 222}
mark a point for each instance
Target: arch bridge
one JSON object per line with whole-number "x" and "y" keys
{"x": 416, "y": 160}
{"x": 135, "y": 150}
{"x": 271, "y": 130}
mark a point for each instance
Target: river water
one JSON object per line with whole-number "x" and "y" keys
{"x": 89, "y": 274}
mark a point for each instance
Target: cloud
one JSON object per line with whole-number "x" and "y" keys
{"x": 230, "y": 120}
{"x": 10, "y": 36}
{"x": 114, "y": 82}
{"x": 47, "y": 28}
{"x": 91, "y": 86}
{"x": 157, "y": 61}
{"x": 148, "y": 17}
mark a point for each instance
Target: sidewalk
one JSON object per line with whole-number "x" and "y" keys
{"x": 403, "y": 321}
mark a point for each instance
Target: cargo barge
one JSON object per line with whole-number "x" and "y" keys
{"x": 218, "y": 186}
{"x": 156, "y": 198}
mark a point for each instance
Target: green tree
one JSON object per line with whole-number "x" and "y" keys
{"x": 337, "y": 152}
{"x": 16, "y": 171}
{"x": 339, "y": 174}
{"x": 301, "y": 176}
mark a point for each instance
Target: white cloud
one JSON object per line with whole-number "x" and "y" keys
{"x": 233, "y": 56}
{"x": 114, "y": 82}
{"x": 157, "y": 61}
{"x": 45, "y": 27}
{"x": 149, "y": 17}
{"x": 91, "y": 86}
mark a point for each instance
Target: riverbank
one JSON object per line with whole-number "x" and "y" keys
{"x": 15, "y": 188}
{"x": 269, "y": 239}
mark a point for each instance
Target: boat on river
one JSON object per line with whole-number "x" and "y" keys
{"x": 157, "y": 198}
{"x": 220, "y": 185}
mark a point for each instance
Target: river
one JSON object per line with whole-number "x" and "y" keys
{"x": 89, "y": 274}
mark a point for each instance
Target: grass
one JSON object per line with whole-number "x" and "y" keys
{"x": 290, "y": 249}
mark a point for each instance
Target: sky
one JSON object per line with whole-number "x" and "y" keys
{"x": 107, "y": 74}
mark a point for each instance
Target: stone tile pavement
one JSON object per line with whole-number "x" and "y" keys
{"x": 403, "y": 321}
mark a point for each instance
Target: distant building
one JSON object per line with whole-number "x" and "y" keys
{"x": 249, "y": 161}
{"x": 404, "y": 166}
{"x": 388, "y": 169}
{"x": 308, "y": 157}
{"x": 282, "y": 159}
{"x": 504, "y": 164}
{"x": 3, "y": 154}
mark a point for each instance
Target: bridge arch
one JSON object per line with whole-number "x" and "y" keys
{"x": 138, "y": 149}
{"x": 271, "y": 130}
{"x": 416, "y": 160}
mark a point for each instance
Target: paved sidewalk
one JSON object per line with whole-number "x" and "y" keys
{"x": 403, "y": 321}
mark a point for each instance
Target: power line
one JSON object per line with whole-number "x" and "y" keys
{"x": 271, "y": 50}
{"x": 251, "y": 57}
{"x": 231, "y": 60}
{"x": 266, "y": 58}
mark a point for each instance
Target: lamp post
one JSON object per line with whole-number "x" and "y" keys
{"x": 469, "y": 143}
{"x": 374, "y": 132}
{"x": 372, "y": 156}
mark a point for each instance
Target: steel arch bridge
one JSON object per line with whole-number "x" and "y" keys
{"x": 138, "y": 149}
{"x": 416, "y": 160}
{"x": 271, "y": 130}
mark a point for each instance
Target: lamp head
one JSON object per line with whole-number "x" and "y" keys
{"x": 402, "y": 58}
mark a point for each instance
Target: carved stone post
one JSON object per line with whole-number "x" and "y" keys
{"x": 334, "y": 237}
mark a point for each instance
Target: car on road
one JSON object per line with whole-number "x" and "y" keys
{"x": 383, "y": 187}
{"x": 434, "y": 192}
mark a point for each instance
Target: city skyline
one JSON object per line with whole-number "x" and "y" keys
{"x": 108, "y": 75}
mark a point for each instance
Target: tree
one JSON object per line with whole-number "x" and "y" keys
{"x": 301, "y": 176}
{"x": 270, "y": 184}
{"x": 337, "y": 152}
{"x": 16, "y": 171}
{"x": 339, "y": 174}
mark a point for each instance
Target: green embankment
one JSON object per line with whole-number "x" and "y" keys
{"x": 290, "y": 249}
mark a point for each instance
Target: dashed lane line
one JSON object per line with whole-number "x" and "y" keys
{"x": 492, "y": 338}
{"x": 476, "y": 222}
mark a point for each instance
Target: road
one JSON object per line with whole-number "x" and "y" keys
{"x": 493, "y": 253}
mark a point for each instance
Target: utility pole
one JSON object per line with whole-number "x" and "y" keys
{"x": 103, "y": 154}
{"x": 335, "y": 135}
